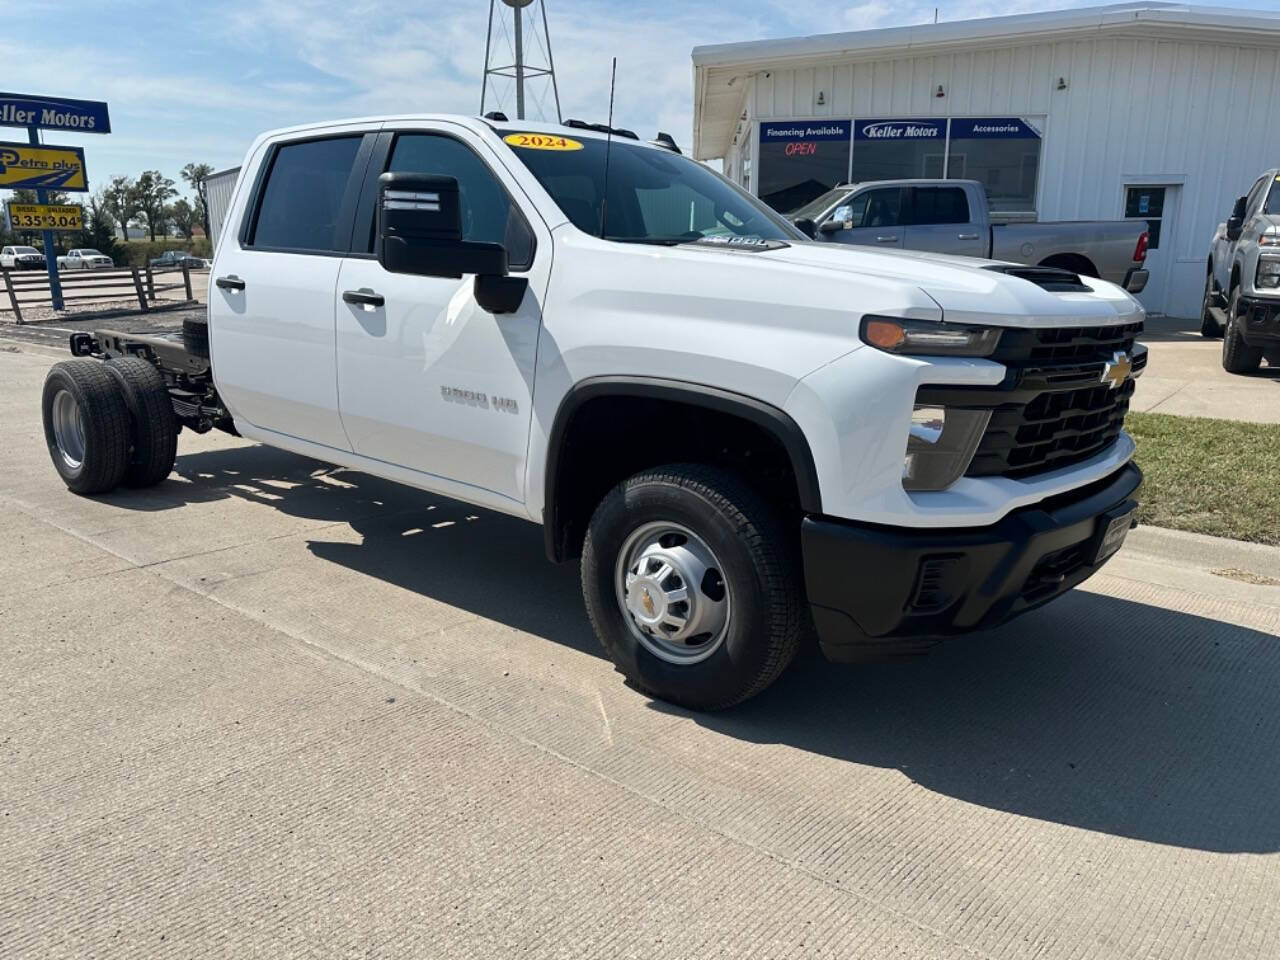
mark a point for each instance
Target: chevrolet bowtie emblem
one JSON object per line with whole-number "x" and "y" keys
{"x": 1117, "y": 370}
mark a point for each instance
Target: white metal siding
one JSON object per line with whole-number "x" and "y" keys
{"x": 1201, "y": 115}
{"x": 220, "y": 187}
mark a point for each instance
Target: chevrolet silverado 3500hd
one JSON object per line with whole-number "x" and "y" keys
{"x": 743, "y": 434}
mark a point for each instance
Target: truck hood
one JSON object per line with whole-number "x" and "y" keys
{"x": 967, "y": 289}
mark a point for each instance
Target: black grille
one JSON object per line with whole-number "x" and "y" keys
{"x": 1052, "y": 409}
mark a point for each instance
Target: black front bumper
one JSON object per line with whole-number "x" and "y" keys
{"x": 1260, "y": 321}
{"x": 879, "y": 591}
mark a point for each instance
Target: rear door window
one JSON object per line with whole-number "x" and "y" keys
{"x": 934, "y": 205}
{"x": 301, "y": 201}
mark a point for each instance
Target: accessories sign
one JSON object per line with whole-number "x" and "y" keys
{"x": 54, "y": 113}
{"x": 24, "y": 165}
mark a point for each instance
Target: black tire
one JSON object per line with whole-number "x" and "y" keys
{"x": 195, "y": 337}
{"x": 97, "y": 406}
{"x": 1237, "y": 356}
{"x": 153, "y": 429}
{"x": 1210, "y": 329}
{"x": 760, "y": 570}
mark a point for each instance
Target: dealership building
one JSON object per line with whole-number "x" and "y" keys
{"x": 1155, "y": 111}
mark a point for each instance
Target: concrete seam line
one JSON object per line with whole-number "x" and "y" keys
{"x": 155, "y": 569}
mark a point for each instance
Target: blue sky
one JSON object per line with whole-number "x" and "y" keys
{"x": 197, "y": 81}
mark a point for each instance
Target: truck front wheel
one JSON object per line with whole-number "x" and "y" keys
{"x": 86, "y": 426}
{"x": 1237, "y": 356}
{"x": 691, "y": 582}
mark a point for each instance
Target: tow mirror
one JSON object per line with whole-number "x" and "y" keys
{"x": 807, "y": 227}
{"x": 420, "y": 232}
{"x": 1235, "y": 223}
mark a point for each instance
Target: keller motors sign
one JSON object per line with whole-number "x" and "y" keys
{"x": 53, "y": 113}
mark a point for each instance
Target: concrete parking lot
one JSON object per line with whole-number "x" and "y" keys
{"x": 1184, "y": 376}
{"x": 271, "y": 708}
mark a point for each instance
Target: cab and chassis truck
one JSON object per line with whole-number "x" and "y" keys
{"x": 746, "y": 437}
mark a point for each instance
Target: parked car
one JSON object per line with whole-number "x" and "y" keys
{"x": 21, "y": 258}
{"x": 952, "y": 216}
{"x": 1242, "y": 282}
{"x": 85, "y": 258}
{"x": 176, "y": 258}
{"x": 740, "y": 432}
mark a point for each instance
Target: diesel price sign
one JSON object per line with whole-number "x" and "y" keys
{"x": 45, "y": 216}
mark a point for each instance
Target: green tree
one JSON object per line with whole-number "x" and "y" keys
{"x": 183, "y": 215}
{"x": 119, "y": 203}
{"x": 152, "y": 194}
{"x": 196, "y": 174}
{"x": 99, "y": 228}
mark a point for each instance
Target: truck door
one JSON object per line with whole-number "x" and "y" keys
{"x": 271, "y": 312}
{"x": 870, "y": 218}
{"x": 428, "y": 379}
{"x": 940, "y": 220}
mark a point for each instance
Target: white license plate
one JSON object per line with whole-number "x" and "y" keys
{"x": 1113, "y": 538}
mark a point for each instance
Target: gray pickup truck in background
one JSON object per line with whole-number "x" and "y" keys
{"x": 951, "y": 216}
{"x": 1242, "y": 283}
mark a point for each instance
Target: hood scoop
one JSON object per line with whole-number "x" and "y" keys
{"x": 1046, "y": 278}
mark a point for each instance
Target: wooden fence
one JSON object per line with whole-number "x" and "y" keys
{"x": 30, "y": 288}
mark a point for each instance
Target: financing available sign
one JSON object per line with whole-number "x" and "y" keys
{"x": 25, "y": 165}
{"x": 54, "y": 113}
{"x": 46, "y": 216}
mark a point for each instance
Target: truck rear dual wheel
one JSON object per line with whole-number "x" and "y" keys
{"x": 691, "y": 583}
{"x": 1237, "y": 356}
{"x": 108, "y": 423}
{"x": 195, "y": 336}
{"x": 86, "y": 426}
{"x": 153, "y": 429}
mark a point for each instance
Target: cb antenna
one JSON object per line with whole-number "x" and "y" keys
{"x": 608, "y": 142}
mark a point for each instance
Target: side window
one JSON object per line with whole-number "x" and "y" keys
{"x": 852, "y": 212}
{"x": 1272, "y": 206}
{"x": 1254, "y": 200}
{"x": 934, "y": 205}
{"x": 302, "y": 197}
{"x": 883, "y": 208}
{"x": 488, "y": 215}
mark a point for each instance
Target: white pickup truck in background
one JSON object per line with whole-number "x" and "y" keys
{"x": 952, "y": 216}
{"x": 747, "y": 437}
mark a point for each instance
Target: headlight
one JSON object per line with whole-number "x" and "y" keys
{"x": 1268, "y": 272}
{"x": 940, "y": 444}
{"x": 928, "y": 338}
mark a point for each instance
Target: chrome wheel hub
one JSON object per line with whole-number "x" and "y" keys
{"x": 672, "y": 593}
{"x": 68, "y": 429}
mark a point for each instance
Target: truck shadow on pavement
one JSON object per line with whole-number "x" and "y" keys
{"x": 1099, "y": 713}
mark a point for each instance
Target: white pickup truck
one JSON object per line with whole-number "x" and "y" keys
{"x": 952, "y": 216}
{"x": 746, "y": 437}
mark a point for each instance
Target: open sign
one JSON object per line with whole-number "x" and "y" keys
{"x": 801, "y": 149}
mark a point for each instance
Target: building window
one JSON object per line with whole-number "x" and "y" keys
{"x": 898, "y": 149}
{"x": 1002, "y": 153}
{"x": 801, "y": 160}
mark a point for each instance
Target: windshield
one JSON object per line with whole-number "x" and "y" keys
{"x": 654, "y": 196}
{"x": 1273, "y": 200}
{"x": 90, "y": 253}
{"x": 25, "y": 250}
{"x": 814, "y": 208}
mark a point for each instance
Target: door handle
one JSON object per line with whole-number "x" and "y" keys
{"x": 364, "y": 297}
{"x": 966, "y": 236}
{"x": 886, "y": 239}
{"x": 230, "y": 282}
